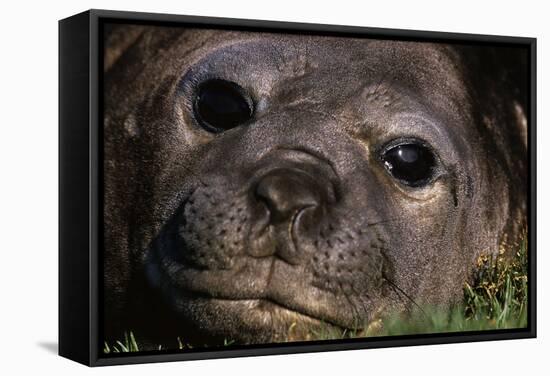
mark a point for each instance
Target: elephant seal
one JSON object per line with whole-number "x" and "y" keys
{"x": 256, "y": 184}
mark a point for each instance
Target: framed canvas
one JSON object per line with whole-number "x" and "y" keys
{"x": 236, "y": 187}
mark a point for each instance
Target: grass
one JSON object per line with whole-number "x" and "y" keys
{"x": 129, "y": 344}
{"x": 496, "y": 299}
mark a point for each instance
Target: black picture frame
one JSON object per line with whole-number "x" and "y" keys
{"x": 80, "y": 187}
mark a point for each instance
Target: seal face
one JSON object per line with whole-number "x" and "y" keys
{"x": 259, "y": 186}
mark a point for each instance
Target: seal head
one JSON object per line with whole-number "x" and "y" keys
{"x": 259, "y": 186}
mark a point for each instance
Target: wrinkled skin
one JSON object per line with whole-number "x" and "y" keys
{"x": 292, "y": 217}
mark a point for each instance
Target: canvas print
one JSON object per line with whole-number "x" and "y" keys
{"x": 267, "y": 187}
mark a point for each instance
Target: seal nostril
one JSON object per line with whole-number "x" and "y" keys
{"x": 286, "y": 191}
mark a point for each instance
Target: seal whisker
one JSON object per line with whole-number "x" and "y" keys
{"x": 381, "y": 222}
{"x": 400, "y": 290}
{"x": 363, "y": 300}
{"x": 352, "y": 306}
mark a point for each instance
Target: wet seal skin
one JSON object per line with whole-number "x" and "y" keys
{"x": 259, "y": 185}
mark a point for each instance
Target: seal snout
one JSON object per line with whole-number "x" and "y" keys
{"x": 291, "y": 197}
{"x": 285, "y": 192}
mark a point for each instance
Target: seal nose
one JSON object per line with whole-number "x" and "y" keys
{"x": 287, "y": 191}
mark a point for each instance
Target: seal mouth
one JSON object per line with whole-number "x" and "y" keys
{"x": 274, "y": 289}
{"x": 258, "y": 320}
{"x": 263, "y": 309}
{"x": 266, "y": 305}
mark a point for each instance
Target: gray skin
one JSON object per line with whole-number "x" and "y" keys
{"x": 292, "y": 220}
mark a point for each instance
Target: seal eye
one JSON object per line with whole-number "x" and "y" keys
{"x": 221, "y": 105}
{"x": 412, "y": 164}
